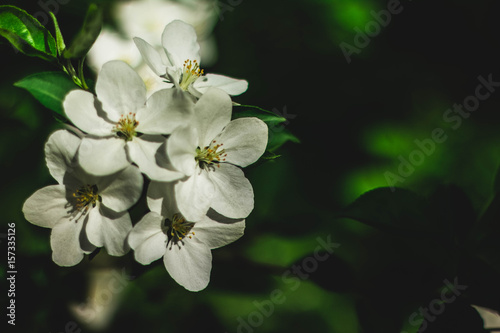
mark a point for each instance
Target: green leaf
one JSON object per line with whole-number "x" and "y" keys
{"x": 278, "y": 134}
{"x": 277, "y": 138}
{"x": 59, "y": 38}
{"x": 87, "y": 35}
{"x": 49, "y": 88}
{"x": 400, "y": 211}
{"x": 26, "y": 33}
{"x": 240, "y": 111}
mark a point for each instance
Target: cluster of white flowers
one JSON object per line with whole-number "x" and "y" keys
{"x": 181, "y": 139}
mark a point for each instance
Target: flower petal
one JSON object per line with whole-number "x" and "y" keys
{"x": 148, "y": 152}
{"x": 151, "y": 56}
{"x": 233, "y": 192}
{"x": 194, "y": 195}
{"x": 103, "y": 156}
{"x": 231, "y": 86}
{"x": 212, "y": 113}
{"x": 215, "y": 234}
{"x": 120, "y": 89}
{"x": 181, "y": 149}
{"x": 161, "y": 198}
{"x": 109, "y": 229}
{"x": 60, "y": 151}
{"x": 81, "y": 108}
{"x": 65, "y": 242}
{"x": 189, "y": 264}
{"x": 165, "y": 110}
{"x": 180, "y": 42}
{"x": 47, "y": 206}
{"x": 245, "y": 140}
{"x": 111, "y": 45}
{"x": 122, "y": 190}
{"x": 147, "y": 239}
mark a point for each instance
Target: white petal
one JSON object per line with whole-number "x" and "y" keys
{"x": 120, "y": 89}
{"x": 81, "y": 108}
{"x": 148, "y": 152}
{"x": 194, "y": 195}
{"x": 47, "y": 206}
{"x": 161, "y": 198}
{"x": 181, "y": 149}
{"x": 102, "y": 156}
{"x": 122, "y": 190}
{"x": 148, "y": 239}
{"x": 491, "y": 318}
{"x": 111, "y": 45}
{"x": 215, "y": 234}
{"x": 65, "y": 242}
{"x": 189, "y": 264}
{"x": 165, "y": 110}
{"x": 211, "y": 114}
{"x": 180, "y": 42}
{"x": 245, "y": 140}
{"x": 174, "y": 75}
{"x": 233, "y": 192}
{"x": 60, "y": 151}
{"x": 231, "y": 86}
{"x": 151, "y": 56}
{"x": 109, "y": 229}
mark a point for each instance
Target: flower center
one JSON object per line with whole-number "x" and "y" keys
{"x": 210, "y": 155}
{"x": 85, "y": 196}
{"x": 191, "y": 72}
{"x": 179, "y": 228}
{"x": 125, "y": 128}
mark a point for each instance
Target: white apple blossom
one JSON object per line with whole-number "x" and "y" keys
{"x": 184, "y": 245}
{"x": 83, "y": 211}
{"x": 179, "y": 62}
{"x": 210, "y": 152}
{"x": 123, "y": 126}
{"x": 147, "y": 19}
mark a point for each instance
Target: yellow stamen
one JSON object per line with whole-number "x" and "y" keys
{"x": 125, "y": 128}
{"x": 190, "y": 73}
{"x": 85, "y": 196}
{"x": 180, "y": 228}
{"x": 210, "y": 155}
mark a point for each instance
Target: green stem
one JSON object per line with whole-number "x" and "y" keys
{"x": 80, "y": 72}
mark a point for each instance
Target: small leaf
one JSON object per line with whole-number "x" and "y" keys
{"x": 87, "y": 35}
{"x": 240, "y": 111}
{"x": 400, "y": 211}
{"x": 268, "y": 155}
{"x": 26, "y": 33}
{"x": 279, "y": 138}
{"x": 59, "y": 38}
{"x": 278, "y": 134}
{"x": 49, "y": 88}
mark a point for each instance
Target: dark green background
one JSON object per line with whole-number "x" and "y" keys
{"x": 354, "y": 122}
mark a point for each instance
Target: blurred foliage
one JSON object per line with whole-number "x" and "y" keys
{"x": 354, "y": 122}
